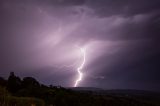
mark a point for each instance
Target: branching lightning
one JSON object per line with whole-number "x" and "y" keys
{"x": 80, "y": 68}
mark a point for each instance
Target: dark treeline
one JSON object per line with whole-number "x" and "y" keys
{"x": 29, "y": 92}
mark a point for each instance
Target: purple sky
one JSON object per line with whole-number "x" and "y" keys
{"x": 39, "y": 38}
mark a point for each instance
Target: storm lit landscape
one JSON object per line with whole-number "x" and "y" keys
{"x": 79, "y": 53}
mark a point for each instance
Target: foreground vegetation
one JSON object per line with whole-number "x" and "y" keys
{"x": 29, "y": 92}
{"x": 7, "y": 100}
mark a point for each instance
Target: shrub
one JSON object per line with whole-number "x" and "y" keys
{"x": 7, "y": 100}
{"x": 24, "y": 101}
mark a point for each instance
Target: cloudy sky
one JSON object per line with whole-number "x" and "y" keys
{"x": 42, "y": 39}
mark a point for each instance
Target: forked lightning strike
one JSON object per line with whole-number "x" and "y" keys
{"x": 80, "y": 67}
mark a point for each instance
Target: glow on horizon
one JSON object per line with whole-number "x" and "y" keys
{"x": 80, "y": 68}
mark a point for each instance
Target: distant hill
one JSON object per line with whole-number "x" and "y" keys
{"x": 85, "y": 89}
{"x": 132, "y": 92}
{"x": 124, "y": 92}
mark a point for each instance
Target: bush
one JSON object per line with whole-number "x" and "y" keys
{"x": 7, "y": 100}
{"x": 24, "y": 101}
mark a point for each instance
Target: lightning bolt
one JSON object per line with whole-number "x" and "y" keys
{"x": 80, "y": 67}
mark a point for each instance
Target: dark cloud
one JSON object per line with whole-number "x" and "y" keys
{"x": 124, "y": 7}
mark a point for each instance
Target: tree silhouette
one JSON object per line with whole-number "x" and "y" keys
{"x": 3, "y": 82}
{"x": 14, "y": 83}
{"x": 30, "y": 82}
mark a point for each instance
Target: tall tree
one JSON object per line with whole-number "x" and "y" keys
{"x": 14, "y": 83}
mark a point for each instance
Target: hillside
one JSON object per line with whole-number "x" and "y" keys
{"x": 29, "y": 92}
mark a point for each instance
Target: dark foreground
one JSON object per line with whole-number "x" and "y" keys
{"x": 29, "y": 92}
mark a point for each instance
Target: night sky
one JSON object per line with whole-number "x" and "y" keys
{"x": 41, "y": 39}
